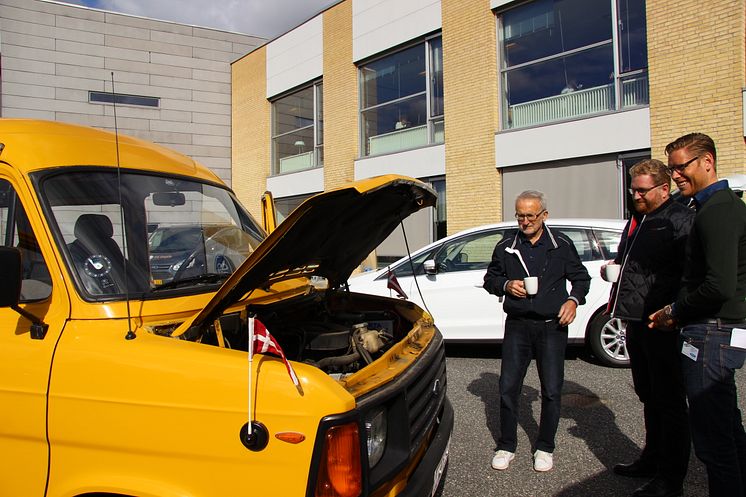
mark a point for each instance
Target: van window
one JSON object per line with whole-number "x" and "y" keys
{"x": 15, "y": 231}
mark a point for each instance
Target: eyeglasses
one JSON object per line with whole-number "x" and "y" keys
{"x": 642, "y": 191}
{"x": 679, "y": 168}
{"x": 529, "y": 217}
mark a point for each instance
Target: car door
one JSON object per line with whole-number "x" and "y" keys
{"x": 462, "y": 309}
{"x": 25, "y": 361}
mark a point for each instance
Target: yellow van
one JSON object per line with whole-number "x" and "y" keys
{"x": 124, "y": 367}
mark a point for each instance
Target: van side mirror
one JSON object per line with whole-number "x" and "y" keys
{"x": 10, "y": 291}
{"x": 430, "y": 267}
{"x": 10, "y": 274}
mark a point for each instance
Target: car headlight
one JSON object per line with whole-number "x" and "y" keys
{"x": 375, "y": 431}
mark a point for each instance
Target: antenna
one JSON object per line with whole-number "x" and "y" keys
{"x": 125, "y": 251}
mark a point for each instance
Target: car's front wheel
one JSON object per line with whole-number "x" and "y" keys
{"x": 607, "y": 338}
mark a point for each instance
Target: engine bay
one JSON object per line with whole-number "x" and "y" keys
{"x": 336, "y": 331}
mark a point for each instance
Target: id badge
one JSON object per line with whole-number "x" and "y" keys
{"x": 690, "y": 351}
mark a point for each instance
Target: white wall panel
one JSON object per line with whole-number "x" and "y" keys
{"x": 296, "y": 57}
{"x": 617, "y": 132}
{"x": 420, "y": 163}
{"x": 378, "y": 25}
{"x": 300, "y": 183}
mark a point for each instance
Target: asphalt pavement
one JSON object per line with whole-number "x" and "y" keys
{"x": 601, "y": 425}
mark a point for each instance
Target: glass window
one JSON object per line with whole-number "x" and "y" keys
{"x": 15, "y": 231}
{"x": 557, "y": 59}
{"x": 402, "y": 99}
{"x": 167, "y": 233}
{"x": 609, "y": 241}
{"x": 583, "y": 241}
{"x": 297, "y": 130}
{"x": 470, "y": 252}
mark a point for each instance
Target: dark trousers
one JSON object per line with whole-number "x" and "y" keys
{"x": 524, "y": 339}
{"x": 655, "y": 360}
{"x": 717, "y": 430}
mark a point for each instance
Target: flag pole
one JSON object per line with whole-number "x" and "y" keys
{"x": 251, "y": 362}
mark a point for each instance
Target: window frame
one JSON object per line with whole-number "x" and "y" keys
{"x": 433, "y": 122}
{"x": 317, "y": 152}
{"x": 619, "y": 100}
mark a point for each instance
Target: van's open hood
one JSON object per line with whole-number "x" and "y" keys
{"x": 328, "y": 235}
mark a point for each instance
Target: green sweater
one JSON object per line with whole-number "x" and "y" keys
{"x": 714, "y": 281}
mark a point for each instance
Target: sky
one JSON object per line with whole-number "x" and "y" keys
{"x": 265, "y": 18}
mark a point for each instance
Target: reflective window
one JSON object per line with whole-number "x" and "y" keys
{"x": 402, "y": 99}
{"x": 583, "y": 241}
{"x": 609, "y": 241}
{"x": 15, "y": 231}
{"x": 141, "y": 235}
{"x": 470, "y": 252}
{"x": 557, "y": 59}
{"x": 297, "y": 130}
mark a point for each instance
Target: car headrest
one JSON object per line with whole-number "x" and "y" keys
{"x": 93, "y": 225}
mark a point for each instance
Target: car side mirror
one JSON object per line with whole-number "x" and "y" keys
{"x": 430, "y": 267}
{"x": 10, "y": 292}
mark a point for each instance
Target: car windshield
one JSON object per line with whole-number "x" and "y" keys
{"x": 170, "y": 233}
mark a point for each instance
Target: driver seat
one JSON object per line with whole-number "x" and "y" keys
{"x": 93, "y": 237}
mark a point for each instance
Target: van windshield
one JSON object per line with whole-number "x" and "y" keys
{"x": 144, "y": 234}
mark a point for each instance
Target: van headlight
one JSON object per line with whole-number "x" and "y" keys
{"x": 375, "y": 431}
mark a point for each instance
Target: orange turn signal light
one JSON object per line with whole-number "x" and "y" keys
{"x": 290, "y": 437}
{"x": 340, "y": 472}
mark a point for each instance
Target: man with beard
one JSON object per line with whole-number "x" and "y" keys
{"x": 651, "y": 255}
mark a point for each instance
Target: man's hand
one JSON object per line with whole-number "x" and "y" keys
{"x": 567, "y": 312}
{"x": 516, "y": 289}
{"x": 662, "y": 319}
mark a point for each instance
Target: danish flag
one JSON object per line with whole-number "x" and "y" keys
{"x": 393, "y": 284}
{"x": 265, "y": 343}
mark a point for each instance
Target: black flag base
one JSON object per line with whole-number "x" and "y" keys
{"x": 259, "y": 436}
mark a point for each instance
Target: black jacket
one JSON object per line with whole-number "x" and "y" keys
{"x": 652, "y": 262}
{"x": 714, "y": 281}
{"x": 562, "y": 264}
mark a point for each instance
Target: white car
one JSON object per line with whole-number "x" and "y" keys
{"x": 449, "y": 275}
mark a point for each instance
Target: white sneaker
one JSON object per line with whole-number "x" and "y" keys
{"x": 502, "y": 459}
{"x": 543, "y": 461}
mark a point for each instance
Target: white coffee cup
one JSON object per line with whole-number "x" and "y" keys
{"x": 531, "y": 284}
{"x": 612, "y": 272}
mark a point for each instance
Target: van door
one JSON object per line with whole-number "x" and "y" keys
{"x": 25, "y": 362}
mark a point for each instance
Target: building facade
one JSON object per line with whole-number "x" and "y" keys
{"x": 171, "y": 82}
{"x": 485, "y": 99}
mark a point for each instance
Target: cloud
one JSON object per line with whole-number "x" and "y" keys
{"x": 264, "y": 18}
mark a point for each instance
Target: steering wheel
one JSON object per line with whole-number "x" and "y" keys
{"x": 222, "y": 262}
{"x": 446, "y": 265}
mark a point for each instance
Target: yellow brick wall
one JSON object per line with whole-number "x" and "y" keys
{"x": 473, "y": 184}
{"x": 251, "y": 126}
{"x": 696, "y": 63}
{"x": 340, "y": 97}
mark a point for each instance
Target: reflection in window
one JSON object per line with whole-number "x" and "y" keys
{"x": 558, "y": 59}
{"x": 284, "y": 206}
{"x": 15, "y": 231}
{"x": 297, "y": 130}
{"x": 402, "y": 99}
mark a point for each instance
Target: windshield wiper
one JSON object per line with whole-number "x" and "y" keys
{"x": 194, "y": 280}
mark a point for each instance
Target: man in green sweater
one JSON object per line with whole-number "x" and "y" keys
{"x": 711, "y": 311}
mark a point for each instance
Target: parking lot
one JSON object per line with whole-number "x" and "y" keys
{"x": 601, "y": 425}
